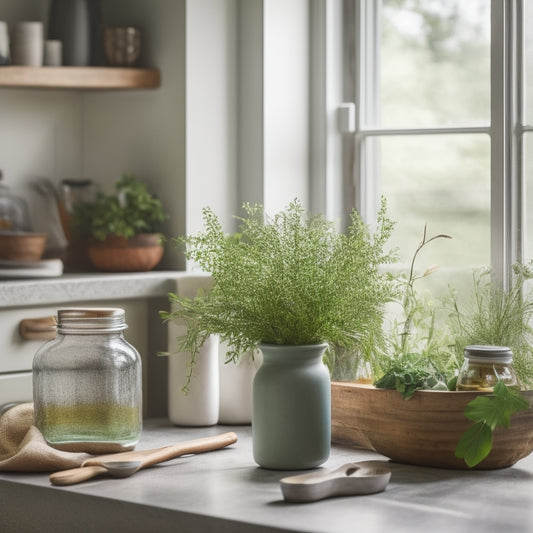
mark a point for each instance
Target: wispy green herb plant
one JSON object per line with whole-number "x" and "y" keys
{"x": 417, "y": 356}
{"x": 495, "y": 316}
{"x": 289, "y": 280}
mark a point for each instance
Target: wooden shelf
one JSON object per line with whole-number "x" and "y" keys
{"x": 90, "y": 78}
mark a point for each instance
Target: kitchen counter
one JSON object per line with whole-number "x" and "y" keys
{"x": 141, "y": 294}
{"x": 91, "y": 286}
{"x": 225, "y": 491}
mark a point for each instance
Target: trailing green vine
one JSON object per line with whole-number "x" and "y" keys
{"x": 488, "y": 412}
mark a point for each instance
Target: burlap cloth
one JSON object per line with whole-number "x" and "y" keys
{"x": 23, "y": 448}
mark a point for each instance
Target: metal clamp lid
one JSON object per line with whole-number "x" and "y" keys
{"x": 489, "y": 354}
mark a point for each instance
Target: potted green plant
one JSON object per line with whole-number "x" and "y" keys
{"x": 291, "y": 285}
{"x": 413, "y": 414}
{"x": 122, "y": 229}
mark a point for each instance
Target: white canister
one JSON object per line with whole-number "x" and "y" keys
{"x": 53, "y": 53}
{"x": 199, "y": 407}
{"x": 28, "y": 44}
{"x": 236, "y": 386}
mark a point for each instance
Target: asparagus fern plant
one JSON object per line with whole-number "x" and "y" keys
{"x": 291, "y": 279}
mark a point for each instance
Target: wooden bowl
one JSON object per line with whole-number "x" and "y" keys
{"x": 22, "y": 246}
{"x": 423, "y": 430}
{"x": 118, "y": 254}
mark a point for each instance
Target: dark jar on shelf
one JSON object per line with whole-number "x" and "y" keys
{"x": 484, "y": 366}
{"x": 87, "y": 383}
{"x": 78, "y": 25}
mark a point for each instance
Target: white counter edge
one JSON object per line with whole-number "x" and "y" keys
{"x": 93, "y": 286}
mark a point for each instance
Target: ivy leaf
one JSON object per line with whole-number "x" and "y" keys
{"x": 488, "y": 412}
{"x": 496, "y": 409}
{"x": 475, "y": 444}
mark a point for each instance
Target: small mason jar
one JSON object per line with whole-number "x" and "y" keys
{"x": 87, "y": 383}
{"x": 484, "y": 366}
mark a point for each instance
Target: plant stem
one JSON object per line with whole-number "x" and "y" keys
{"x": 410, "y": 295}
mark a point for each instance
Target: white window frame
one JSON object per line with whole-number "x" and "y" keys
{"x": 505, "y": 129}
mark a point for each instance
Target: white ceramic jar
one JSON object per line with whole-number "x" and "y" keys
{"x": 28, "y": 39}
{"x": 236, "y": 386}
{"x": 199, "y": 407}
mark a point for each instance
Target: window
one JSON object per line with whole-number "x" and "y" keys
{"x": 443, "y": 127}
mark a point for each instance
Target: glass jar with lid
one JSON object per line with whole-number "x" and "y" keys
{"x": 484, "y": 366}
{"x": 87, "y": 383}
{"x": 14, "y": 213}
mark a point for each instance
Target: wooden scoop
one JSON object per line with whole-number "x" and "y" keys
{"x": 125, "y": 464}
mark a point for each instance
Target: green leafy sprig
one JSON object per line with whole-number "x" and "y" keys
{"x": 132, "y": 210}
{"x": 488, "y": 412}
{"x": 416, "y": 357}
{"x": 409, "y": 375}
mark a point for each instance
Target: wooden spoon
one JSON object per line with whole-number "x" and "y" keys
{"x": 125, "y": 464}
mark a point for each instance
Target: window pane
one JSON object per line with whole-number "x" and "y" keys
{"x": 444, "y": 181}
{"x": 528, "y": 61}
{"x": 435, "y": 63}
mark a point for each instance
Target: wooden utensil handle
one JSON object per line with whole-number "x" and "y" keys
{"x": 76, "y": 475}
{"x": 206, "y": 444}
{"x": 159, "y": 455}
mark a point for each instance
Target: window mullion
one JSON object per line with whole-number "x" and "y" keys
{"x": 518, "y": 156}
{"x": 367, "y": 99}
{"x": 505, "y": 205}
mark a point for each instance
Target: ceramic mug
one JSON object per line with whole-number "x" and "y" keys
{"x": 28, "y": 44}
{"x": 4, "y": 43}
{"x": 53, "y": 53}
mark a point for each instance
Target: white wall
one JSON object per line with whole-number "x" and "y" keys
{"x": 250, "y": 95}
{"x": 274, "y": 102}
{"x": 180, "y": 138}
{"x": 144, "y": 132}
{"x": 286, "y": 103}
{"x": 211, "y": 111}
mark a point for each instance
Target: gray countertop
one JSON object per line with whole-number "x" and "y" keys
{"x": 225, "y": 491}
{"x": 92, "y": 286}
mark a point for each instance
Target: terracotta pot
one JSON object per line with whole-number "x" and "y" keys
{"x": 118, "y": 254}
{"x": 22, "y": 246}
{"x": 423, "y": 430}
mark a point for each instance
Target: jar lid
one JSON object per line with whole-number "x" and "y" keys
{"x": 487, "y": 353}
{"x": 91, "y": 320}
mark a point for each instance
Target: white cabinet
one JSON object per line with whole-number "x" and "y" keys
{"x": 140, "y": 295}
{"x": 16, "y": 353}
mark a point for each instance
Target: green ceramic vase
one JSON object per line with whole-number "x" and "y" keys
{"x": 291, "y": 416}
